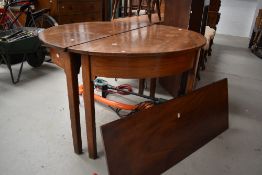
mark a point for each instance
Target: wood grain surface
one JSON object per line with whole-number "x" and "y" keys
{"x": 154, "y": 40}
{"x": 177, "y": 13}
{"x": 152, "y": 141}
{"x": 142, "y": 66}
{"x": 64, "y": 36}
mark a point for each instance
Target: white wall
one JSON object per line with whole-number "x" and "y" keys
{"x": 236, "y": 17}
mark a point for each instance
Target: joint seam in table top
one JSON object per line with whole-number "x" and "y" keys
{"x": 66, "y": 48}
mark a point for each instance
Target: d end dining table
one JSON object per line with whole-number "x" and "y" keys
{"x": 119, "y": 49}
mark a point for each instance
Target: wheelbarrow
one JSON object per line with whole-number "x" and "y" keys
{"x": 22, "y": 42}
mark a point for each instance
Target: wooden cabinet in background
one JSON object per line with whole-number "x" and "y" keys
{"x": 213, "y": 13}
{"x": 71, "y": 11}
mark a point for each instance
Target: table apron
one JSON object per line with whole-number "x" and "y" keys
{"x": 142, "y": 67}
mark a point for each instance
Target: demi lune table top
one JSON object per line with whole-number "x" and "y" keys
{"x": 147, "y": 41}
{"x": 64, "y": 36}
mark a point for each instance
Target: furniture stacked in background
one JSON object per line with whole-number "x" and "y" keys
{"x": 68, "y": 11}
{"x": 213, "y": 18}
{"x": 209, "y": 35}
{"x": 212, "y": 21}
{"x": 126, "y": 9}
{"x": 255, "y": 43}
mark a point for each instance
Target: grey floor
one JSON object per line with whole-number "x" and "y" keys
{"x": 35, "y": 135}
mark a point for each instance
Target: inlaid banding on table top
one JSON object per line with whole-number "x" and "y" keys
{"x": 64, "y": 36}
{"x": 151, "y": 40}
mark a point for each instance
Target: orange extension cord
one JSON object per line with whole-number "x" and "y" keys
{"x": 110, "y": 103}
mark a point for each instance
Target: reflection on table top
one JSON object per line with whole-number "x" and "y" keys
{"x": 67, "y": 35}
{"x": 151, "y": 40}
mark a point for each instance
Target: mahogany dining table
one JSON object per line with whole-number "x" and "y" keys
{"x": 130, "y": 48}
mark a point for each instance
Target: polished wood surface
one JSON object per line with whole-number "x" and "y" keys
{"x": 154, "y": 40}
{"x": 177, "y": 13}
{"x": 138, "y": 19}
{"x": 64, "y": 36}
{"x": 198, "y": 18}
{"x": 154, "y": 140}
{"x": 142, "y": 67}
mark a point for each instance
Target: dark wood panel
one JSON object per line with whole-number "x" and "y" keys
{"x": 177, "y": 13}
{"x": 215, "y": 5}
{"x": 171, "y": 84}
{"x": 152, "y": 141}
{"x": 213, "y": 19}
{"x": 198, "y": 17}
{"x": 142, "y": 67}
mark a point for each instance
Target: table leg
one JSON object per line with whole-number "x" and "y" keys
{"x": 71, "y": 68}
{"x": 139, "y": 7}
{"x": 130, "y": 8}
{"x": 125, "y": 8}
{"x": 158, "y": 9}
{"x": 188, "y": 78}
{"x": 184, "y": 83}
{"x": 149, "y": 10}
{"x": 89, "y": 106}
{"x": 190, "y": 84}
{"x": 152, "y": 87}
{"x": 141, "y": 86}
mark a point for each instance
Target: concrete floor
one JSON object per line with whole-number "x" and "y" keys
{"x": 35, "y": 127}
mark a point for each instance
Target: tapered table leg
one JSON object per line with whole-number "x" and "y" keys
{"x": 141, "y": 86}
{"x": 71, "y": 68}
{"x": 152, "y": 87}
{"x": 89, "y": 106}
{"x": 130, "y": 8}
{"x": 158, "y": 9}
{"x": 149, "y": 12}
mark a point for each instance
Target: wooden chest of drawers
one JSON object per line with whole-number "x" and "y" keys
{"x": 71, "y": 11}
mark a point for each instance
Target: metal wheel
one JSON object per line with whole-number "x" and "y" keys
{"x": 43, "y": 21}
